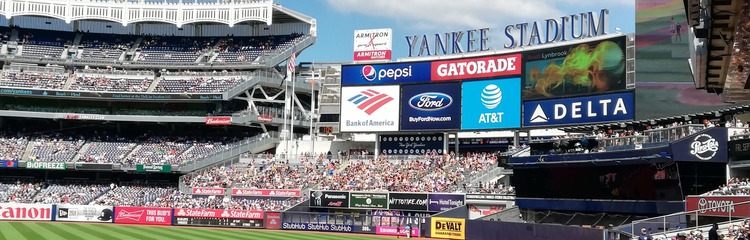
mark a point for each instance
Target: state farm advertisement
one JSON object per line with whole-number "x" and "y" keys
{"x": 218, "y": 121}
{"x": 474, "y": 68}
{"x": 143, "y": 215}
{"x": 208, "y": 191}
{"x": 720, "y": 206}
{"x": 218, "y": 213}
{"x": 248, "y": 192}
{"x": 36, "y": 212}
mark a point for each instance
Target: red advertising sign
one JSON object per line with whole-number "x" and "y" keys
{"x": 208, "y": 191}
{"x": 480, "y": 67}
{"x": 218, "y": 213}
{"x": 265, "y": 192}
{"x": 13, "y": 211}
{"x": 143, "y": 215}
{"x": 273, "y": 220}
{"x": 218, "y": 120}
{"x": 265, "y": 118}
{"x": 721, "y": 206}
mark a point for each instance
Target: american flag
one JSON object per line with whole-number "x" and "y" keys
{"x": 292, "y": 61}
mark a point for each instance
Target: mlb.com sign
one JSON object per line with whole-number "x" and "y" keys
{"x": 373, "y": 44}
{"x": 578, "y": 110}
{"x": 389, "y": 73}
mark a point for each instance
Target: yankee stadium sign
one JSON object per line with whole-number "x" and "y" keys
{"x": 569, "y": 27}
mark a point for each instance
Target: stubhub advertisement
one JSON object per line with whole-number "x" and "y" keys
{"x": 431, "y": 106}
{"x": 577, "y": 110}
{"x": 370, "y": 109}
{"x": 491, "y": 104}
{"x": 389, "y": 73}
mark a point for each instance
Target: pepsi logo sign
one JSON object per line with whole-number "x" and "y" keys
{"x": 368, "y": 72}
{"x": 430, "y": 101}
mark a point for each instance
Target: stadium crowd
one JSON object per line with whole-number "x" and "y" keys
{"x": 735, "y": 186}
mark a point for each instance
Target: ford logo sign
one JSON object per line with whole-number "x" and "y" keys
{"x": 430, "y": 101}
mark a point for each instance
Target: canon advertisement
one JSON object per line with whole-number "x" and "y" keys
{"x": 370, "y": 109}
{"x": 580, "y": 110}
{"x": 718, "y": 206}
{"x": 329, "y": 199}
{"x": 491, "y": 104}
{"x": 388, "y": 73}
{"x": 709, "y": 145}
{"x": 431, "y": 106}
{"x": 582, "y": 69}
{"x": 408, "y": 201}
{"x": 373, "y": 44}
{"x": 84, "y": 213}
{"x": 439, "y": 202}
{"x": 143, "y": 215}
{"x": 411, "y": 144}
{"x": 219, "y": 217}
{"x": 34, "y": 212}
{"x": 475, "y": 68}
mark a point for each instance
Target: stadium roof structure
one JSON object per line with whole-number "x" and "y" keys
{"x": 178, "y": 12}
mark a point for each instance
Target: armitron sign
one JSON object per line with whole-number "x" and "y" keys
{"x": 719, "y": 206}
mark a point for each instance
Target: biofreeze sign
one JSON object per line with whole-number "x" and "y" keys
{"x": 577, "y": 110}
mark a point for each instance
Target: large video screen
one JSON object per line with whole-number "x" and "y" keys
{"x": 581, "y": 69}
{"x": 658, "y": 181}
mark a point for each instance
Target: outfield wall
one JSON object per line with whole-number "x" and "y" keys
{"x": 435, "y": 227}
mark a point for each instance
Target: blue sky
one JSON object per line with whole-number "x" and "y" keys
{"x": 337, "y": 19}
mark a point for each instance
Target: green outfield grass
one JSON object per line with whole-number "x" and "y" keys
{"x": 74, "y": 231}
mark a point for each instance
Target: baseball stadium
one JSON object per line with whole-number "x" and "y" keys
{"x": 195, "y": 119}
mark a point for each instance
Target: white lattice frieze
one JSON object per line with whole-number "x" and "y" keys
{"x": 178, "y": 13}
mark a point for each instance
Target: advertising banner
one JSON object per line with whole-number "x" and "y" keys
{"x": 219, "y": 121}
{"x": 439, "y": 202}
{"x": 739, "y": 148}
{"x": 36, "y": 212}
{"x": 583, "y": 69}
{"x": 329, "y": 199}
{"x": 411, "y": 144}
{"x": 580, "y": 110}
{"x": 491, "y": 104}
{"x": 450, "y": 228}
{"x": 249, "y": 192}
{"x": 368, "y": 200}
{"x": 386, "y": 73}
{"x": 45, "y": 165}
{"x": 707, "y": 145}
{"x": 208, "y": 191}
{"x": 396, "y": 231}
{"x": 718, "y": 206}
{"x": 84, "y": 213}
{"x": 218, "y": 213}
{"x": 273, "y": 220}
{"x": 94, "y": 166}
{"x": 370, "y": 109}
{"x": 143, "y": 215}
{"x": 475, "y": 68}
{"x": 431, "y": 106}
{"x": 321, "y": 227}
{"x": 153, "y": 168}
{"x": 373, "y": 44}
{"x": 8, "y": 163}
{"x": 489, "y": 197}
{"x": 108, "y": 95}
{"x": 407, "y": 201}
{"x": 480, "y": 211}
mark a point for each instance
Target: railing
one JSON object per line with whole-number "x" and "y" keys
{"x": 739, "y": 136}
{"x": 281, "y": 55}
{"x": 622, "y": 141}
{"x": 242, "y": 147}
{"x": 672, "y": 133}
{"x": 678, "y": 222}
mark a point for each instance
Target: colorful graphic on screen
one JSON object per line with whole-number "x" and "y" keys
{"x": 582, "y": 69}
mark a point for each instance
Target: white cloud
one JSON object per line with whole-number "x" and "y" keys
{"x": 459, "y": 14}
